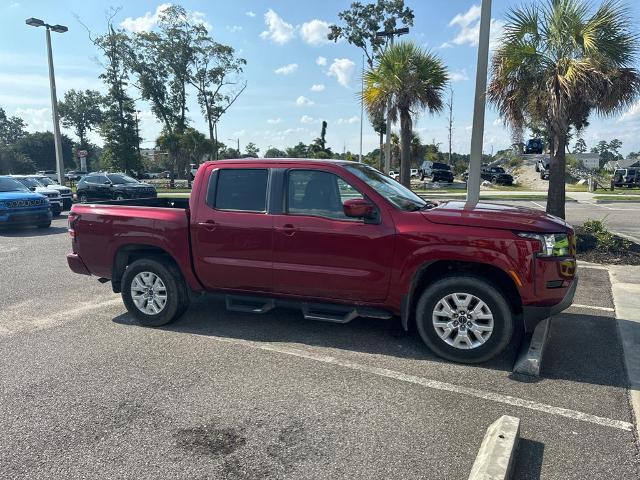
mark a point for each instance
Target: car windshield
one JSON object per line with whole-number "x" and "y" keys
{"x": 119, "y": 179}
{"x": 498, "y": 169}
{"x": 396, "y": 193}
{"x": 29, "y": 182}
{"x": 46, "y": 181}
{"x": 11, "y": 185}
{"x": 441, "y": 166}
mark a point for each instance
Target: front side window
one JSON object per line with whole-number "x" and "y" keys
{"x": 318, "y": 193}
{"x": 29, "y": 182}
{"x": 119, "y": 179}
{"x": 241, "y": 189}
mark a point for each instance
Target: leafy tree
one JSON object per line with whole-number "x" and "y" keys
{"x": 318, "y": 149}
{"x": 412, "y": 80}
{"x": 273, "y": 152}
{"x": 251, "y": 150}
{"x": 615, "y": 145}
{"x": 39, "y": 147}
{"x": 216, "y": 69}
{"x": 118, "y": 127}
{"x": 82, "y": 112}
{"x": 555, "y": 63}
{"x": 580, "y": 146}
{"x": 12, "y": 129}
{"x": 13, "y": 162}
{"x": 299, "y": 151}
{"x": 361, "y": 22}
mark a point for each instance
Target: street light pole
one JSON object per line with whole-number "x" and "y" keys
{"x": 361, "y": 108}
{"x": 34, "y": 22}
{"x": 387, "y": 147}
{"x": 477, "y": 133}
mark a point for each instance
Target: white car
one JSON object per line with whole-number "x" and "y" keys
{"x": 394, "y": 175}
{"x": 414, "y": 173}
{"x": 52, "y": 174}
{"x": 65, "y": 192}
{"x": 55, "y": 199}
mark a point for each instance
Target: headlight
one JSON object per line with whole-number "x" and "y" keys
{"x": 551, "y": 244}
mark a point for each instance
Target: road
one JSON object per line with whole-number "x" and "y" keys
{"x": 88, "y": 393}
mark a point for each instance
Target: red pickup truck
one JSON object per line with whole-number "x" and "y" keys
{"x": 339, "y": 240}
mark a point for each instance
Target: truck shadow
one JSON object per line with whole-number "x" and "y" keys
{"x": 29, "y": 231}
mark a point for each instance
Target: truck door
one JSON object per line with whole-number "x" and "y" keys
{"x": 319, "y": 252}
{"x": 232, "y": 234}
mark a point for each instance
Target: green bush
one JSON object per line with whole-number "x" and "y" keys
{"x": 593, "y": 235}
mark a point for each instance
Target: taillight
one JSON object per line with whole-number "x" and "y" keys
{"x": 72, "y": 219}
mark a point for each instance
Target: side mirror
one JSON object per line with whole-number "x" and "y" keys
{"x": 359, "y": 208}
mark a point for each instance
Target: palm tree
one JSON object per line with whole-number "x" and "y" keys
{"x": 555, "y": 63}
{"x": 412, "y": 80}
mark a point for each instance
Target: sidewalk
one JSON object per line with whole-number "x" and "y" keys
{"x": 625, "y": 286}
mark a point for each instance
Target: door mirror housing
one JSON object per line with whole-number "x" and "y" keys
{"x": 360, "y": 208}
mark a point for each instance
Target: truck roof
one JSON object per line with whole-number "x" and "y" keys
{"x": 266, "y": 161}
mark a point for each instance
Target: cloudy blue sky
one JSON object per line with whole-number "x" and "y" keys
{"x": 296, "y": 78}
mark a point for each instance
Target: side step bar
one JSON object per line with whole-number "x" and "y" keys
{"x": 325, "y": 312}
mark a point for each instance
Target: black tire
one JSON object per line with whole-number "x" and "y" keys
{"x": 44, "y": 224}
{"x": 176, "y": 288}
{"x": 56, "y": 211}
{"x": 494, "y": 180}
{"x": 503, "y": 322}
{"x": 537, "y": 168}
{"x": 119, "y": 197}
{"x": 82, "y": 198}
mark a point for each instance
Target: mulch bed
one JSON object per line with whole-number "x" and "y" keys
{"x": 588, "y": 250}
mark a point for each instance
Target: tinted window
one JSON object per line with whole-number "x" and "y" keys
{"x": 497, "y": 169}
{"x": 90, "y": 179}
{"x": 318, "y": 193}
{"x": 241, "y": 189}
{"x": 10, "y": 185}
{"x": 119, "y": 179}
{"x": 440, "y": 166}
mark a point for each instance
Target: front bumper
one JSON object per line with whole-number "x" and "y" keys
{"x": 532, "y": 315}
{"x": 77, "y": 265}
{"x": 25, "y": 217}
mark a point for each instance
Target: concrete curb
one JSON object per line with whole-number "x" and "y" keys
{"x": 625, "y": 287}
{"x": 529, "y": 360}
{"x": 495, "y": 459}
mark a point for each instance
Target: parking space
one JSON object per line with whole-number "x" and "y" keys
{"x": 87, "y": 392}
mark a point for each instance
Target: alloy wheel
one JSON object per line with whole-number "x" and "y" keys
{"x": 149, "y": 293}
{"x": 463, "y": 320}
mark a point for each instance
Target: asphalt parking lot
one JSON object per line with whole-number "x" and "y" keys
{"x": 86, "y": 392}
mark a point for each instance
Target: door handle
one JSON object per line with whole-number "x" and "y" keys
{"x": 288, "y": 229}
{"x": 208, "y": 225}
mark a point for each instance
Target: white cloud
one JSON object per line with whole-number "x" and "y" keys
{"x": 322, "y": 61}
{"x": 315, "y": 32}
{"x": 240, "y": 133}
{"x": 286, "y": 69}
{"x": 278, "y": 31}
{"x": 146, "y": 22}
{"x": 459, "y": 76}
{"x": 274, "y": 121}
{"x": 306, "y": 119}
{"x": 469, "y": 29}
{"x": 234, "y": 28}
{"x": 632, "y": 114}
{"x": 14, "y": 5}
{"x": 342, "y": 69}
{"x": 302, "y": 101}
{"x": 250, "y": 14}
{"x": 350, "y": 121}
{"x": 37, "y": 119}
{"x": 319, "y": 87}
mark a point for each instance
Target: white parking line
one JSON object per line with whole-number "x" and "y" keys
{"x": 592, "y": 307}
{"x": 537, "y": 205}
{"x": 433, "y": 384}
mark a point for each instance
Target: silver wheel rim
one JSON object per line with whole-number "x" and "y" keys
{"x": 83, "y": 199}
{"x": 148, "y": 293}
{"x": 463, "y": 321}
{"x": 119, "y": 197}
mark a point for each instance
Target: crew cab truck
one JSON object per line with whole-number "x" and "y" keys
{"x": 337, "y": 239}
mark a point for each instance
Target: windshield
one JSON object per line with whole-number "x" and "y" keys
{"x": 29, "y": 182}
{"x": 119, "y": 179}
{"x": 441, "y": 166}
{"x": 46, "y": 181}
{"x": 397, "y": 194}
{"x": 11, "y": 185}
{"x": 498, "y": 169}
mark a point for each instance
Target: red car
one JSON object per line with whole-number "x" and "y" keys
{"x": 337, "y": 239}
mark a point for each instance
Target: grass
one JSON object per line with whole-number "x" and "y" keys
{"x": 617, "y": 198}
{"x": 488, "y": 196}
{"x": 175, "y": 193}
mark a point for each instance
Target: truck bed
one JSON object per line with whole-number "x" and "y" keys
{"x": 159, "y": 202}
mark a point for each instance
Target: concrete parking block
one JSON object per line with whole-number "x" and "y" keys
{"x": 529, "y": 360}
{"x": 496, "y": 454}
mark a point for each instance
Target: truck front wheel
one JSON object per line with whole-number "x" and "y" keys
{"x": 154, "y": 291}
{"x": 464, "y": 319}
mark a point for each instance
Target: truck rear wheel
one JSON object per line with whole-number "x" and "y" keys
{"x": 154, "y": 291}
{"x": 464, "y": 319}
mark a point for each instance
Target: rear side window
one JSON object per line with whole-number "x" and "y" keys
{"x": 240, "y": 189}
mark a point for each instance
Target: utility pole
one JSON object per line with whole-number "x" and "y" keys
{"x": 36, "y": 22}
{"x": 387, "y": 147}
{"x": 450, "y": 108}
{"x": 477, "y": 133}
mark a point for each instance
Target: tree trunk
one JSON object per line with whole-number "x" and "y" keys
{"x": 405, "y": 148}
{"x": 557, "y": 167}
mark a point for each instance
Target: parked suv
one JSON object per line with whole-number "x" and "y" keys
{"x": 535, "y": 145}
{"x": 496, "y": 175}
{"x": 626, "y": 177}
{"x": 440, "y": 172}
{"x": 55, "y": 199}
{"x": 65, "y": 192}
{"x": 21, "y": 206}
{"x": 338, "y": 240}
{"x": 112, "y": 186}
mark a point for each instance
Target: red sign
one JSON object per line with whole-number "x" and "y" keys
{"x": 83, "y": 153}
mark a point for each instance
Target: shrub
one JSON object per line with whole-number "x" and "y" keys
{"x": 593, "y": 235}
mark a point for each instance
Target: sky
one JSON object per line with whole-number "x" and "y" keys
{"x": 295, "y": 77}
